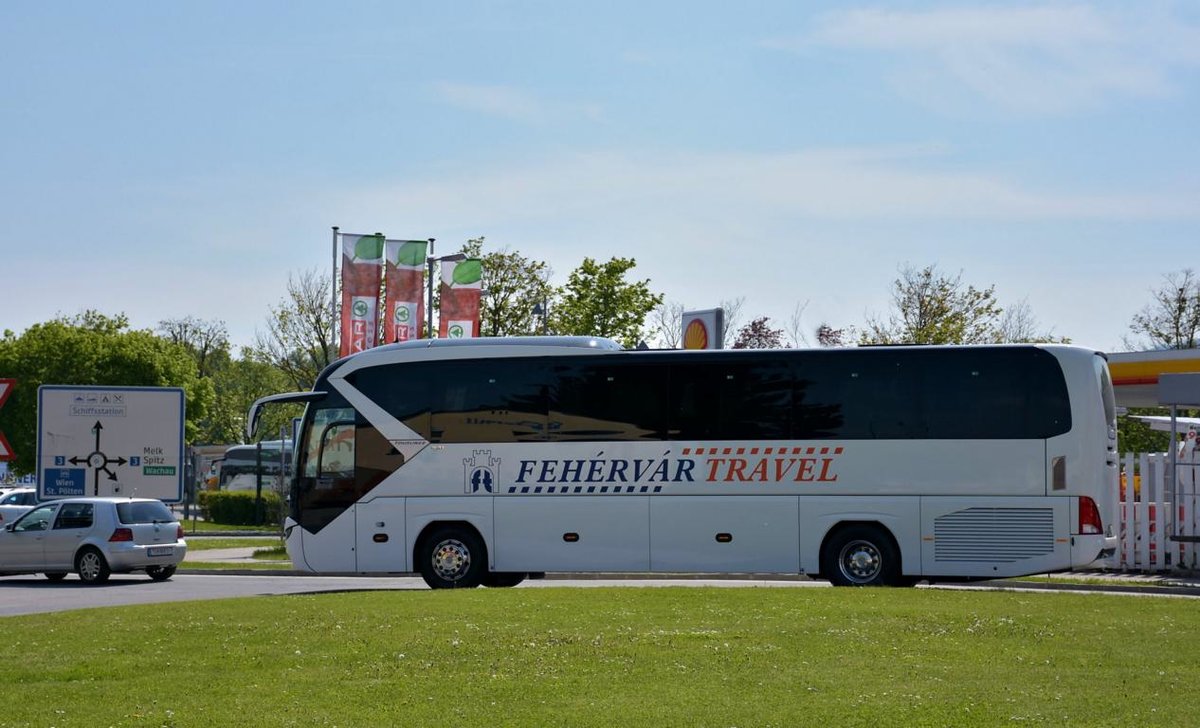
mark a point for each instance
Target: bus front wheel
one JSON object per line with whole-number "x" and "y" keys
{"x": 861, "y": 555}
{"x": 452, "y": 558}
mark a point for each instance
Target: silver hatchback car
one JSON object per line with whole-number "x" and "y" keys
{"x": 94, "y": 537}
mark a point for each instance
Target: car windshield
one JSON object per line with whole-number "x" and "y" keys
{"x": 144, "y": 512}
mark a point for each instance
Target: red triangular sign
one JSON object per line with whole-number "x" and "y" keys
{"x": 6, "y": 453}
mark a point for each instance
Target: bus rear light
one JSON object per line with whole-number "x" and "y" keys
{"x": 121, "y": 534}
{"x": 1089, "y": 517}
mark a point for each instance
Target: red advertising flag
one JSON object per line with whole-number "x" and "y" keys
{"x": 404, "y": 273}
{"x": 462, "y": 285}
{"x": 362, "y": 272}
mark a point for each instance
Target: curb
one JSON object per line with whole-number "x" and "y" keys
{"x": 1181, "y": 590}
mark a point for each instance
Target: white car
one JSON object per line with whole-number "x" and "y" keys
{"x": 94, "y": 537}
{"x": 16, "y": 502}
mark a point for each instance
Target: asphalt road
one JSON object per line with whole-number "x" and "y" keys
{"x": 36, "y": 595}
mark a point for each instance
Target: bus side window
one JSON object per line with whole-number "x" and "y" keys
{"x": 858, "y": 396}
{"x": 405, "y": 391}
{"x": 606, "y": 401}
{"x": 743, "y": 399}
{"x": 489, "y": 400}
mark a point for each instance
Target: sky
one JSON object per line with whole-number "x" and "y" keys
{"x": 165, "y": 160}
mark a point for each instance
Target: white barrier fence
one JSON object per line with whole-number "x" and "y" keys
{"x": 1149, "y": 518}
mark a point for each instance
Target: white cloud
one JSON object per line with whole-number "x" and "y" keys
{"x": 1022, "y": 58}
{"x": 893, "y": 182}
{"x": 828, "y": 226}
{"x": 511, "y": 103}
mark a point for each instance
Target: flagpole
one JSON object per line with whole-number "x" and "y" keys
{"x": 429, "y": 311}
{"x": 333, "y": 283}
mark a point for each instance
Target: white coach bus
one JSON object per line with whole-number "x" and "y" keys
{"x": 482, "y": 461}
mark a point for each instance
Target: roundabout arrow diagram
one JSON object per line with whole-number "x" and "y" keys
{"x": 98, "y": 461}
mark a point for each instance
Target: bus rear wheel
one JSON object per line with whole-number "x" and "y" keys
{"x": 452, "y": 558}
{"x": 861, "y": 556}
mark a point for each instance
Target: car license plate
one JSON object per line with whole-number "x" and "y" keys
{"x": 162, "y": 551}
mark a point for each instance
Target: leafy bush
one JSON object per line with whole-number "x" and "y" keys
{"x": 238, "y": 508}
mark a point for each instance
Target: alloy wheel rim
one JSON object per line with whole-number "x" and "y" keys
{"x": 89, "y": 566}
{"x": 451, "y": 559}
{"x": 860, "y": 561}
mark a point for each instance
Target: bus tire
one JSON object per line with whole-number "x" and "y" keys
{"x": 452, "y": 557}
{"x": 861, "y": 555}
{"x": 498, "y": 579}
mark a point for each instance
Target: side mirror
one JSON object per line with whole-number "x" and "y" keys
{"x": 9, "y": 526}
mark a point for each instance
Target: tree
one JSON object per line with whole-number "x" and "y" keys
{"x": 667, "y": 321}
{"x": 1172, "y": 319}
{"x": 301, "y": 336}
{"x": 828, "y": 336}
{"x": 514, "y": 286}
{"x": 930, "y": 308}
{"x": 759, "y": 335}
{"x": 90, "y": 349}
{"x": 208, "y": 341}
{"x": 1018, "y": 325}
{"x": 236, "y": 387}
{"x": 733, "y": 316}
{"x": 795, "y": 326}
{"x": 598, "y": 301}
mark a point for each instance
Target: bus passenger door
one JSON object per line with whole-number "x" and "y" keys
{"x": 379, "y": 536}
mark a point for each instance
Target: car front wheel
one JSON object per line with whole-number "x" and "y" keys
{"x": 92, "y": 567}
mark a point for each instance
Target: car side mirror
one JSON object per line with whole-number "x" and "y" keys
{"x": 9, "y": 526}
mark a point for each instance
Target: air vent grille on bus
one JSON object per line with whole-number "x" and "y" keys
{"x": 1002, "y": 535}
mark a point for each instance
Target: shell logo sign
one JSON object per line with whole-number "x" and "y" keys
{"x": 702, "y": 329}
{"x": 696, "y": 335}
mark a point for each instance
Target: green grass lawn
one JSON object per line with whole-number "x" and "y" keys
{"x": 611, "y": 656}
{"x": 274, "y": 565}
{"x": 278, "y": 552}
{"x": 192, "y": 527}
{"x": 209, "y": 543}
